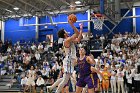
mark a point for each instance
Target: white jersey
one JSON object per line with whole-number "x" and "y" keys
{"x": 70, "y": 55}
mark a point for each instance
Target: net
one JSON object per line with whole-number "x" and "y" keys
{"x": 98, "y": 22}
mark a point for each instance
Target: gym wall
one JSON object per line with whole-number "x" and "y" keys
{"x": 137, "y": 9}
{"x": 16, "y": 33}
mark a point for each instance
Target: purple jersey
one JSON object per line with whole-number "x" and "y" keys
{"x": 84, "y": 67}
{"x": 95, "y": 76}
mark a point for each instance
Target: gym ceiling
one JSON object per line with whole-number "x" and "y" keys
{"x": 29, "y": 8}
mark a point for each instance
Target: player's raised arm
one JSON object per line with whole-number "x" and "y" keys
{"x": 75, "y": 61}
{"x": 93, "y": 69}
{"x": 76, "y": 32}
{"x": 71, "y": 22}
{"x": 80, "y": 35}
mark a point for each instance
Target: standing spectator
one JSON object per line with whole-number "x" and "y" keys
{"x": 113, "y": 79}
{"x": 129, "y": 80}
{"x": 105, "y": 82}
{"x": 137, "y": 80}
{"x": 40, "y": 48}
{"x": 120, "y": 80}
{"x": 37, "y": 56}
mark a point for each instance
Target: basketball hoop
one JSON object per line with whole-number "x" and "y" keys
{"x": 98, "y": 21}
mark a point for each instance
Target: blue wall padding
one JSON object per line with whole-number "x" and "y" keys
{"x": 126, "y": 25}
{"x": 16, "y": 33}
{"x": 54, "y": 29}
{"x": 138, "y": 20}
{"x": 102, "y": 6}
{"x": 123, "y": 26}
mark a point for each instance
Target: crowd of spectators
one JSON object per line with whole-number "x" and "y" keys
{"x": 31, "y": 62}
{"x": 39, "y": 64}
{"x": 122, "y": 58}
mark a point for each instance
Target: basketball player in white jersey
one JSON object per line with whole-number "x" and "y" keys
{"x": 70, "y": 53}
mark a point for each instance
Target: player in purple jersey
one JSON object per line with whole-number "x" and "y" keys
{"x": 95, "y": 79}
{"x": 85, "y": 65}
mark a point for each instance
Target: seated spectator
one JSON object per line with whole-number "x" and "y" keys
{"x": 31, "y": 79}
{"x": 18, "y": 68}
{"x": 23, "y": 82}
{"x": 45, "y": 74}
{"x": 37, "y": 56}
{"x": 40, "y": 83}
{"x": 40, "y": 48}
{"x": 33, "y": 47}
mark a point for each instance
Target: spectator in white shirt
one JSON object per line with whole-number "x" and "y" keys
{"x": 40, "y": 83}
{"x": 113, "y": 79}
{"x": 27, "y": 59}
{"x": 33, "y": 47}
{"x": 23, "y": 82}
{"x": 37, "y": 55}
{"x": 31, "y": 79}
{"x": 137, "y": 80}
{"x": 9, "y": 49}
{"x": 46, "y": 48}
{"x": 40, "y": 47}
{"x": 18, "y": 47}
{"x": 102, "y": 38}
{"x": 45, "y": 74}
{"x": 1, "y": 58}
{"x": 129, "y": 75}
{"x": 120, "y": 80}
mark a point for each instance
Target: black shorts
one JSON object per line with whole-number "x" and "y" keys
{"x": 45, "y": 77}
{"x": 136, "y": 86}
{"x": 41, "y": 86}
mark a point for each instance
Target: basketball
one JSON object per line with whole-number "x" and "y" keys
{"x": 72, "y": 17}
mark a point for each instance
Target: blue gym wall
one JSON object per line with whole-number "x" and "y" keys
{"x": 16, "y": 33}
{"x": 138, "y": 20}
{"x": 54, "y": 29}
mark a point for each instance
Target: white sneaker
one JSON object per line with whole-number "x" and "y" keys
{"x": 49, "y": 90}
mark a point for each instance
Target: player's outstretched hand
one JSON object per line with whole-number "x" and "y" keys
{"x": 81, "y": 26}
